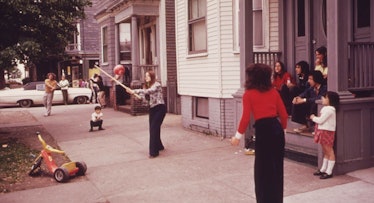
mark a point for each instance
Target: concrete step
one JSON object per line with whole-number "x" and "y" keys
{"x": 300, "y": 146}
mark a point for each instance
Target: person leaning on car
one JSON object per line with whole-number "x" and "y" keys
{"x": 50, "y": 86}
{"x": 64, "y": 84}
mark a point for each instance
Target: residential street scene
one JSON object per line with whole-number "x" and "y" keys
{"x": 187, "y": 101}
{"x": 194, "y": 167}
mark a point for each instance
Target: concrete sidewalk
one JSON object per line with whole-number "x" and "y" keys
{"x": 193, "y": 167}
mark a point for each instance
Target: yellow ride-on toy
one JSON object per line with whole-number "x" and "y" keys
{"x": 62, "y": 173}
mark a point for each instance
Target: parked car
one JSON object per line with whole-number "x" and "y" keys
{"x": 32, "y": 94}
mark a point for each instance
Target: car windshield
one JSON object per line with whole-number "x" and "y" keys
{"x": 33, "y": 85}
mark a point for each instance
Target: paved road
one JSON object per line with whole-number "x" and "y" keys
{"x": 193, "y": 168}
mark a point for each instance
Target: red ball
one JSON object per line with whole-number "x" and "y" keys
{"x": 119, "y": 70}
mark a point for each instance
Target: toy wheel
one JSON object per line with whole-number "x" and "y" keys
{"x": 36, "y": 165}
{"x": 61, "y": 175}
{"x": 82, "y": 168}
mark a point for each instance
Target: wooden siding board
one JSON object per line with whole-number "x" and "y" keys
{"x": 220, "y": 59}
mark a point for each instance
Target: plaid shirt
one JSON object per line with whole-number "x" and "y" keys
{"x": 155, "y": 94}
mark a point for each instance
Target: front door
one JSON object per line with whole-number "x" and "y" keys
{"x": 309, "y": 28}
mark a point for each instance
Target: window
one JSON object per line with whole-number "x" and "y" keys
{"x": 258, "y": 34}
{"x": 105, "y": 44}
{"x": 202, "y": 107}
{"x": 301, "y": 18}
{"x": 363, "y": 13}
{"x": 235, "y": 25}
{"x": 74, "y": 40}
{"x": 125, "y": 42}
{"x": 197, "y": 35}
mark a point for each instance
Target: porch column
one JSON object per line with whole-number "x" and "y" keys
{"x": 134, "y": 49}
{"x": 246, "y": 54}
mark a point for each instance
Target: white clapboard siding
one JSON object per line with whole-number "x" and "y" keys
{"x": 216, "y": 73}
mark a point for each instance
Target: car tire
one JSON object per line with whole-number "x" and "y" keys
{"x": 25, "y": 103}
{"x": 81, "y": 100}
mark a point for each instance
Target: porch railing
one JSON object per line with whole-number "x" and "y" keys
{"x": 268, "y": 58}
{"x": 71, "y": 47}
{"x": 361, "y": 66}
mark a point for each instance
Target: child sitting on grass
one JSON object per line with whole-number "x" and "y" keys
{"x": 96, "y": 119}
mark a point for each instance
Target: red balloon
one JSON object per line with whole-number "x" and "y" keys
{"x": 119, "y": 70}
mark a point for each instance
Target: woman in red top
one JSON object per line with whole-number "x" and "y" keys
{"x": 265, "y": 104}
{"x": 282, "y": 80}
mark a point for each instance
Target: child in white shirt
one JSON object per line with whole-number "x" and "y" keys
{"x": 325, "y": 132}
{"x": 96, "y": 119}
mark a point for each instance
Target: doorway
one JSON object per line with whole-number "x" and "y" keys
{"x": 310, "y": 29}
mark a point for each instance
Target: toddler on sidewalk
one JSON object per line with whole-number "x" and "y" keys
{"x": 96, "y": 119}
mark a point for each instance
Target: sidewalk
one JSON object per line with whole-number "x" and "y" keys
{"x": 193, "y": 167}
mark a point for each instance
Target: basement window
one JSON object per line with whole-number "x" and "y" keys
{"x": 202, "y": 107}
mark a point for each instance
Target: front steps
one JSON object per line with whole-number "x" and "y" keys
{"x": 300, "y": 146}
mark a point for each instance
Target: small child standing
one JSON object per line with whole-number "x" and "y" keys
{"x": 325, "y": 132}
{"x": 96, "y": 119}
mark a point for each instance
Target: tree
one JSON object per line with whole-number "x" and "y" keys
{"x": 35, "y": 30}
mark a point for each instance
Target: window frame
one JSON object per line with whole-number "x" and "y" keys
{"x": 104, "y": 44}
{"x": 123, "y": 38}
{"x": 202, "y": 112}
{"x": 193, "y": 21}
{"x": 264, "y": 46}
{"x": 235, "y": 26}
{"x": 362, "y": 33}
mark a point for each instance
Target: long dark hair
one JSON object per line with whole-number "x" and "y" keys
{"x": 323, "y": 51}
{"x": 258, "y": 76}
{"x": 304, "y": 67}
{"x": 334, "y": 99}
{"x": 282, "y": 71}
{"x": 152, "y": 75}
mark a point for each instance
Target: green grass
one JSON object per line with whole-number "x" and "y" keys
{"x": 15, "y": 160}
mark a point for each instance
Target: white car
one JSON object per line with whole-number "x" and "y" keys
{"x": 32, "y": 94}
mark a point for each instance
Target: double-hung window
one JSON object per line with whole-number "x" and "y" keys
{"x": 197, "y": 31}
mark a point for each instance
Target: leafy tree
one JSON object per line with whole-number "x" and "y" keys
{"x": 35, "y": 30}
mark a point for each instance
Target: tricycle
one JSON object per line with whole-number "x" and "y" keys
{"x": 62, "y": 173}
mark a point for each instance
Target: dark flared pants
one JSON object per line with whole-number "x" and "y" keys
{"x": 269, "y": 161}
{"x": 156, "y": 117}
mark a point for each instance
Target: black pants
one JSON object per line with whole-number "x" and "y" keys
{"x": 156, "y": 117}
{"x": 302, "y": 112}
{"x": 96, "y": 123}
{"x": 269, "y": 160}
{"x": 286, "y": 98}
{"x": 65, "y": 96}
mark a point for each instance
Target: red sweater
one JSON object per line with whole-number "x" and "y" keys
{"x": 279, "y": 81}
{"x": 262, "y": 105}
